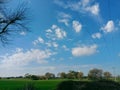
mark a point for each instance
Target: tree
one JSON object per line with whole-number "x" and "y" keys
{"x": 107, "y": 75}
{"x": 28, "y": 76}
{"x": 35, "y": 77}
{"x": 80, "y": 75}
{"x": 71, "y": 74}
{"x": 49, "y": 75}
{"x": 62, "y": 75}
{"x": 12, "y": 23}
{"x": 95, "y": 74}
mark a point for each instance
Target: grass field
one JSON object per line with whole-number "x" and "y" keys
{"x": 17, "y": 84}
{"x": 40, "y": 84}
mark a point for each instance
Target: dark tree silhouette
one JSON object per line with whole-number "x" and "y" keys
{"x": 12, "y": 22}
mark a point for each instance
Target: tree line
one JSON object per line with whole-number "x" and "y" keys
{"x": 95, "y": 74}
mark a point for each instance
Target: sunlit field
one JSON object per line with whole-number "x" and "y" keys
{"x": 39, "y": 84}
{"x": 17, "y": 84}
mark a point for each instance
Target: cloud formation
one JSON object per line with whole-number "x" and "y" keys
{"x": 109, "y": 27}
{"x": 96, "y": 35}
{"x": 82, "y": 6}
{"x": 23, "y": 58}
{"x": 84, "y": 50}
{"x": 39, "y": 40}
{"x": 64, "y": 18}
{"x": 55, "y": 32}
{"x": 77, "y": 26}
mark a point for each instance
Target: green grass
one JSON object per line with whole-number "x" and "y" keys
{"x": 40, "y": 84}
{"x": 14, "y": 84}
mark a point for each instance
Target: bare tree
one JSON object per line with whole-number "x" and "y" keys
{"x": 12, "y": 22}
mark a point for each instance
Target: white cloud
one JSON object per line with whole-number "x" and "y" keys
{"x": 65, "y": 21}
{"x": 39, "y": 40}
{"x": 93, "y": 9}
{"x": 96, "y": 35}
{"x": 64, "y": 18}
{"x": 109, "y": 27}
{"x": 20, "y": 71}
{"x": 20, "y": 59}
{"x": 23, "y": 33}
{"x": 23, "y": 58}
{"x": 85, "y": 2}
{"x": 77, "y": 26}
{"x": 84, "y": 50}
{"x": 49, "y": 31}
{"x": 82, "y": 6}
{"x": 60, "y": 33}
{"x": 55, "y": 32}
{"x": 55, "y": 44}
{"x": 52, "y": 44}
{"x": 54, "y": 26}
{"x": 64, "y": 15}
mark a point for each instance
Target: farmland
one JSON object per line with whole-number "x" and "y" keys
{"x": 17, "y": 84}
{"x": 40, "y": 84}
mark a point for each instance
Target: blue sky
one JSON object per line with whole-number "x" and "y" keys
{"x": 65, "y": 35}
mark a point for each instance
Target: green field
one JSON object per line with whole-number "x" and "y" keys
{"x": 40, "y": 84}
{"x": 17, "y": 84}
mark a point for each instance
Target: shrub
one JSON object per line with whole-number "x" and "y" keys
{"x": 85, "y": 85}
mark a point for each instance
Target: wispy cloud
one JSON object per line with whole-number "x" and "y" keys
{"x": 64, "y": 18}
{"x": 84, "y": 50}
{"x": 83, "y": 6}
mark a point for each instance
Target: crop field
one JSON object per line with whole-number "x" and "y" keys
{"x": 40, "y": 84}
{"x": 17, "y": 84}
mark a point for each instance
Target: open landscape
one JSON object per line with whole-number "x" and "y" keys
{"x": 59, "y": 45}
{"x": 19, "y": 84}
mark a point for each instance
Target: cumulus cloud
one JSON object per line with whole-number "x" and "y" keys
{"x": 109, "y": 27}
{"x": 23, "y": 58}
{"x": 96, "y": 35}
{"x": 55, "y": 32}
{"x": 77, "y": 26}
{"x": 82, "y": 6}
{"x": 60, "y": 33}
{"x": 39, "y": 40}
{"x": 84, "y": 50}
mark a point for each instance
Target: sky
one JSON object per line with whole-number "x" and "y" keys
{"x": 64, "y": 35}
